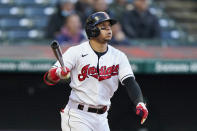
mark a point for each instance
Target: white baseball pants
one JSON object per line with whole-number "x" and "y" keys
{"x": 73, "y": 119}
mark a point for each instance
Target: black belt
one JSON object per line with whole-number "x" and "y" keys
{"x": 94, "y": 110}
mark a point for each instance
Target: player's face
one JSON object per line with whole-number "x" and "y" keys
{"x": 105, "y": 32}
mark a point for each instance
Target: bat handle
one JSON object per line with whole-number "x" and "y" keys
{"x": 63, "y": 68}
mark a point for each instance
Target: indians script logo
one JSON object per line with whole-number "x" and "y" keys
{"x": 104, "y": 72}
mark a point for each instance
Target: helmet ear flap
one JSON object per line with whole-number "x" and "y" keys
{"x": 92, "y": 31}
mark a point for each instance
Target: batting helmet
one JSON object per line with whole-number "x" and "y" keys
{"x": 95, "y": 19}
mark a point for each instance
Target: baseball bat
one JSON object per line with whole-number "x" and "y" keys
{"x": 58, "y": 53}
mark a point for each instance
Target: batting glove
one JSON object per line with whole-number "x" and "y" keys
{"x": 63, "y": 74}
{"x": 142, "y": 111}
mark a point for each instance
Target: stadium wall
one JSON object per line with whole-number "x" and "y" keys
{"x": 28, "y": 104}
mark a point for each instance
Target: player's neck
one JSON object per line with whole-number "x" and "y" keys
{"x": 98, "y": 47}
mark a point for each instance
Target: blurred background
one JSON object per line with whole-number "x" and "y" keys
{"x": 158, "y": 36}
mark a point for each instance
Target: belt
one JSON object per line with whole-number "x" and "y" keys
{"x": 83, "y": 107}
{"x": 94, "y": 110}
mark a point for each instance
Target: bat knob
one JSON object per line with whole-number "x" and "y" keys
{"x": 54, "y": 44}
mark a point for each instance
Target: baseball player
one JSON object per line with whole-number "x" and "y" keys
{"x": 95, "y": 69}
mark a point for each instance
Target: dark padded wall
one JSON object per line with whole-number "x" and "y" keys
{"x": 27, "y": 103}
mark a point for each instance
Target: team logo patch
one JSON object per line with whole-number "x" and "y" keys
{"x": 96, "y": 18}
{"x": 104, "y": 72}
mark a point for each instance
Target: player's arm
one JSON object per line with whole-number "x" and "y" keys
{"x": 127, "y": 79}
{"x": 133, "y": 90}
{"x": 136, "y": 97}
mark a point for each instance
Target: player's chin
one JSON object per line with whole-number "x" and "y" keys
{"x": 107, "y": 39}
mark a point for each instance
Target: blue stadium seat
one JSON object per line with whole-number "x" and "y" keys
{"x": 40, "y": 22}
{"x": 28, "y": 2}
{"x": 156, "y": 11}
{"x": 25, "y": 2}
{"x": 25, "y": 34}
{"x": 16, "y": 22}
{"x": 163, "y": 23}
{"x": 167, "y": 24}
{"x": 53, "y": 2}
{"x": 4, "y": 11}
{"x": 6, "y": 2}
{"x": 17, "y": 34}
{"x": 11, "y": 11}
{"x": 171, "y": 34}
{"x": 36, "y": 11}
{"x": 36, "y": 34}
{"x": 16, "y": 11}
{"x": 9, "y": 22}
{"x": 35, "y": 2}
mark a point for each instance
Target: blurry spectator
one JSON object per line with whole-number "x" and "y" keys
{"x": 118, "y": 7}
{"x": 83, "y": 7}
{"x": 139, "y": 22}
{"x": 71, "y": 32}
{"x": 65, "y": 8}
{"x": 119, "y": 37}
{"x": 99, "y": 5}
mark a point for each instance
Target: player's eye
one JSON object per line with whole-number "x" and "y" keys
{"x": 103, "y": 28}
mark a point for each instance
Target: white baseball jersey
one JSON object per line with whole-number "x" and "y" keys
{"x": 89, "y": 86}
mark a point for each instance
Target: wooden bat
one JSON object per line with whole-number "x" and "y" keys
{"x": 58, "y": 53}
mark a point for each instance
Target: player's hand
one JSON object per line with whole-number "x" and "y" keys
{"x": 142, "y": 111}
{"x": 63, "y": 74}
